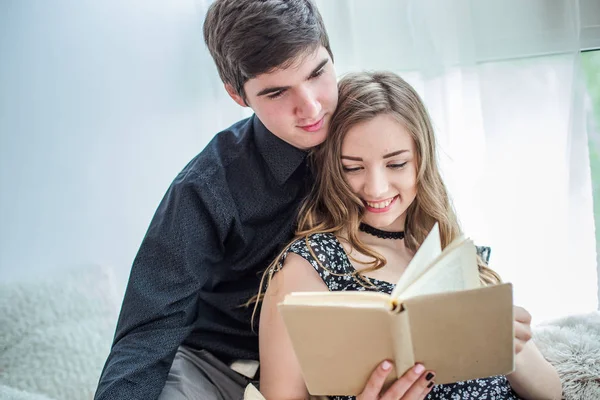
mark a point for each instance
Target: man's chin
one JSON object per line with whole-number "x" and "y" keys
{"x": 315, "y": 138}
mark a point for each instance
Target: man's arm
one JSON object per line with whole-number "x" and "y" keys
{"x": 160, "y": 304}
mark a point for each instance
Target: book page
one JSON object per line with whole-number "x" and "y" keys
{"x": 427, "y": 253}
{"x": 350, "y": 299}
{"x": 454, "y": 270}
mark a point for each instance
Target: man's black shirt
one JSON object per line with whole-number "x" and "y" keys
{"x": 220, "y": 224}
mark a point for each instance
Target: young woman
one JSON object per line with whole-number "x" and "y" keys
{"x": 378, "y": 193}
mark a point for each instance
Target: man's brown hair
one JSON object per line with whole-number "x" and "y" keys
{"x": 247, "y": 38}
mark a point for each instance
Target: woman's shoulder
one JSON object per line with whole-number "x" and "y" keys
{"x": 313, "y": 242}
{"x": 314, "y": 248}
{"x": 307, "y": 251}
{"x": 322, "y": 251}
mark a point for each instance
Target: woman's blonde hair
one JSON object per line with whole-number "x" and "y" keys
{"x": 332, "y": 207}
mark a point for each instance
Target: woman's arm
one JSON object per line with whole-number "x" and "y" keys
{"x": 534, "y": 377}
{"x": 280, "y": 375}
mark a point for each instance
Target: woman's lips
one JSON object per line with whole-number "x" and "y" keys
{"x": 380, "y": 209}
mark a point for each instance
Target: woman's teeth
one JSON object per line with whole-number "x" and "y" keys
{"x": 380, "y": 204}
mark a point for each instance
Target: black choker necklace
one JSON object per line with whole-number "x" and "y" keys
{"x": 379, "y": 233}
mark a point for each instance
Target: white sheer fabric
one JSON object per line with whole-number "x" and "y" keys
{"x": 501, "y": 81}
{"x": 102, "y": 103}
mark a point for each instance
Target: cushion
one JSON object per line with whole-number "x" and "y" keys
{"x": 572, "y": 345}
{"x": 57, "y": 331}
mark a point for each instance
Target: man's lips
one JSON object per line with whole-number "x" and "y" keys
{"x": 313, "y": 127}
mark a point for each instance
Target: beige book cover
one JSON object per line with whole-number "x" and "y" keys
{"x": 438, "y": 315}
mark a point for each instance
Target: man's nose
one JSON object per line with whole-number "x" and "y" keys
{"x": 308, "y": 106}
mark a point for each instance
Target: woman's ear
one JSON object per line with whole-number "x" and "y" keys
{"x": 235, "y": 96}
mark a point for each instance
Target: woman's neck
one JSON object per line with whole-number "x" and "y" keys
{"x": 377, "y": 242}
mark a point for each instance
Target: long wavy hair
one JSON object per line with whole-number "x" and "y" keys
{"x": 332, "y": 207}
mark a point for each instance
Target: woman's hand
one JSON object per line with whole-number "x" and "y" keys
{"x": 415, "y": 384}
{"x": 522, "y": 324}
{"x": 534, "y": 377}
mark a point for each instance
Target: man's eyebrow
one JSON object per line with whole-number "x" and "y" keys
{"x": 275, "y": 89}
{"x": 321, "y": 65}
{"x": 270, "y": 90}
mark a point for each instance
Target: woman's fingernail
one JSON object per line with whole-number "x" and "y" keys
{"x": 419, "y": 369}
{"x": 429, "y": 376}
{"x": 430, "y": 385}
{"x": 386, "y": 365}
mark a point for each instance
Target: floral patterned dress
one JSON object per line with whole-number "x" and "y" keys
{"x": 338, "y": 276}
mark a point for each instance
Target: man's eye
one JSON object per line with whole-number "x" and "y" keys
{"x": 319, "y": 72}
{"x": 398, "y": 166}
{"x": 276, "y": 95}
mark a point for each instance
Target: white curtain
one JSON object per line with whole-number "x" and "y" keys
{"x": 502, "y": 83}
{"x": 102, "y": 103}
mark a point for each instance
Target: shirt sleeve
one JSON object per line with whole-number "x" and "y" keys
{"x": 174, "y": 261}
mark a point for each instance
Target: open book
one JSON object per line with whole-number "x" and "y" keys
{"x": 438, "y": 315}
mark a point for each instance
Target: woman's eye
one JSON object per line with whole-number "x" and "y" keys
{"x": 398, "y": 166}
{"x": 351, "y": 169}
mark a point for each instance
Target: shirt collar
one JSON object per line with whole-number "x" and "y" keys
{"x": 281, "y": 157}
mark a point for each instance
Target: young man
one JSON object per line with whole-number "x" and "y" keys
{"x": 182, "y": 331}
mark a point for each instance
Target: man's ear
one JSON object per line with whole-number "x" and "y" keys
{"x": 234, "y": 95}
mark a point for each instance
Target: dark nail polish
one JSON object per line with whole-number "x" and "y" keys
{"x": 429, "y": 376}
{"x": 430, "y": 385}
